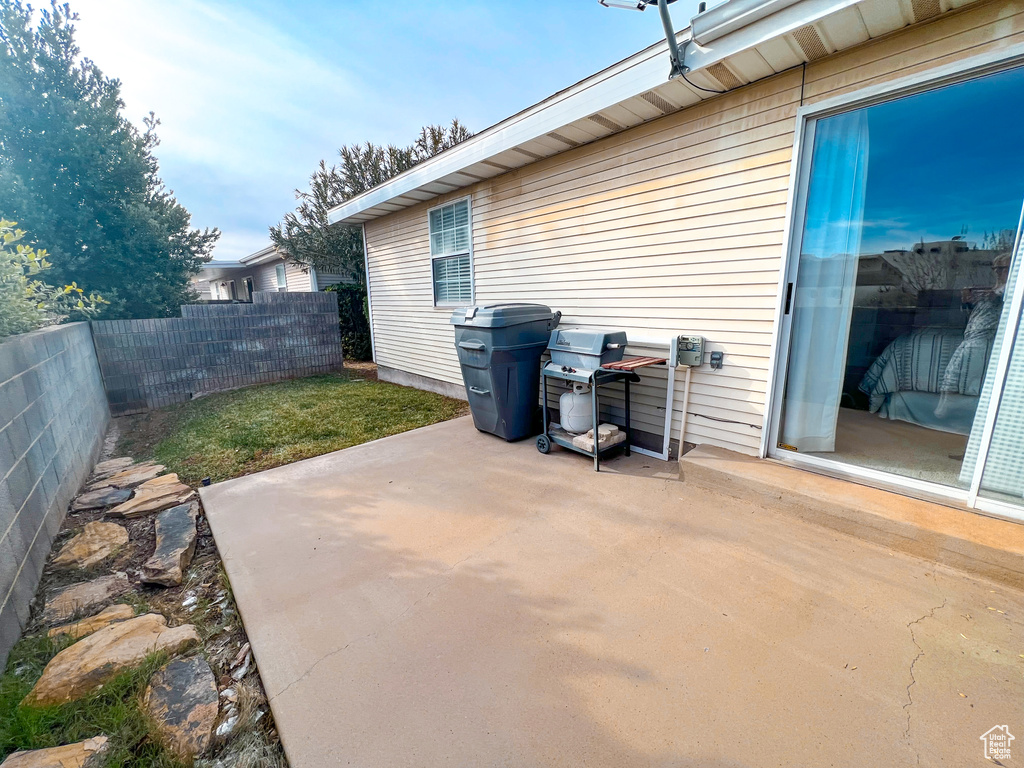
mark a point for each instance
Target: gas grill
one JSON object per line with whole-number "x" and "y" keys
{"x": 590, "y": 358}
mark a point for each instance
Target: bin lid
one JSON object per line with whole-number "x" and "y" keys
{"x": 500, "y": 315}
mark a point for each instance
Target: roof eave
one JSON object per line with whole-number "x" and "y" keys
{"x": 640, "y": 75}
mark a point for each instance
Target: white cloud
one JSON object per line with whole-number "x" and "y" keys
{"x": 245, "y": 111}
{"x": 252, "y": 96}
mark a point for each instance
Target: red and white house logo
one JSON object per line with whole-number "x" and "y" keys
{"x": 997, "y": 742}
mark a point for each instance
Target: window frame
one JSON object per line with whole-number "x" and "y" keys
{"x": 468, "y": 199}
{"x": 807, "y": 117}
{"x": 281, "y": 277}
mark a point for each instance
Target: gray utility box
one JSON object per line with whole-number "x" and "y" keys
{"x": 499, "y": 348}
{"x": 587, "y": 348}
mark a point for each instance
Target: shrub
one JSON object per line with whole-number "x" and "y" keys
{"x": 25, "y": 302}
{"x": 352, "y": 317}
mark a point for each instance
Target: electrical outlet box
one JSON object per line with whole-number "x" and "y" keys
{"x": 689, "y": 350}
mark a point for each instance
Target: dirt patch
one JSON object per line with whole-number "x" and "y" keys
{"x": 363, "y": 369}
{"x": 139, "y": 434}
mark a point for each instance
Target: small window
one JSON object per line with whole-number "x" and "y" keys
{"x": 248, "y": 288}
{"x": 282, "y": 281}
{"x": 450, "y": 237}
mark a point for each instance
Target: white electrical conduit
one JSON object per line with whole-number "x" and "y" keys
{"x": 686, "y": 403}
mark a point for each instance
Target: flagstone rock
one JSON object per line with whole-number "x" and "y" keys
{"x": 98, "y": 499}
{"x": 83, "y": 597}
{"x": 93, "y": 545}
{"x": 87, "y": 626}
{"x": 84, "y": 754}
{"x": 86, "y": 666}
{"x": 111, "y": 467}
{"x": 175, "y": 545}
{"x": 182, "y": 701}
{"x": 130, "y": 477}
{"x": 154, "y": 495}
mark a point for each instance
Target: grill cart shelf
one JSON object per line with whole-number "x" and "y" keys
{"x": 609, "y": 373}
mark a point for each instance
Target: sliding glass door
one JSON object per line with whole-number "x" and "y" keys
{"x": 900, "y": 302}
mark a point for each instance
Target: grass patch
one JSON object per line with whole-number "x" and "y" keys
{"x": 235, "y": 433}
{"x": 114, "y": 711}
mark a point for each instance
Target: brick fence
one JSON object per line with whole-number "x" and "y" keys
{"x": 53, "y": 415}
{"x": 212, "y": 347}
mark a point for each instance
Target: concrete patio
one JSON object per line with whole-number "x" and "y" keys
{"x": 442, "y": 598}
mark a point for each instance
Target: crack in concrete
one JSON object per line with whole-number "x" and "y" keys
{"x": 336, "y": 651}
{"x": 913, "y": 663}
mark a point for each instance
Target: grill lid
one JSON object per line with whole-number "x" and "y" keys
{"x": 585, "y": 341}
{"x": 501, "y": 315}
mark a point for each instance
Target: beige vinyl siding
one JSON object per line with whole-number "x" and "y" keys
{"x": 325, "y": 279}
{"x": 675, "y": 226}
{"x": 265, "y": 276}
{"x": 203, "y": 288}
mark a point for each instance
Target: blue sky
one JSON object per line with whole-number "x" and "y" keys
{"x": 252, "y": 95}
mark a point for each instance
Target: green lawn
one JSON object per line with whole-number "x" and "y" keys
{"x": 234, "y": 433}
{"x": 220, "y": 436}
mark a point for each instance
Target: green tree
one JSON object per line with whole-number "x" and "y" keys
{"x": 305, "y": 235}
{"x": 27, "y": 303}
{"x": 78, "y": 175}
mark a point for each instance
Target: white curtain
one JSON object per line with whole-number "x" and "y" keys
{"x": 825, "y": 282}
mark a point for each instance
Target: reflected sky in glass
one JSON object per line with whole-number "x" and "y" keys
{"x": 946, "y": 162}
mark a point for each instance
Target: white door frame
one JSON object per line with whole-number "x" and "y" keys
{"x": 806, "y": 118}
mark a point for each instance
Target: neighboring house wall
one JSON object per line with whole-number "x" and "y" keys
{"x": 53, "y": 416}
{"x": 212, "y": 347}
{"x": 675, "y": 226}
{"x": 265, "y": 277}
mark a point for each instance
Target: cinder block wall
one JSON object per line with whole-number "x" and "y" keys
{"x": 152, "y": 363}
{"x": 53, "y": 416}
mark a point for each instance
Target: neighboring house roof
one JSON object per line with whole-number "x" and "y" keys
{"x": 216, "y": 269}
{"x": 726, "y": 47}
{"x": 270, "y": 253}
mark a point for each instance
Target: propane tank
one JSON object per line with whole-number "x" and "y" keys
{"x": 574, "y": 409}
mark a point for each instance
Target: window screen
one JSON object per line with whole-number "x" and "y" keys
{"x": 449, "y": 247}
{"x": 282, "y": 281}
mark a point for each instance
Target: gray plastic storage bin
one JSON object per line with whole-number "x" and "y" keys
{"x": 499, "y": 348}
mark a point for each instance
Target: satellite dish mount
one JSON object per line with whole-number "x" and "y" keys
{"x": 675, "y": 53}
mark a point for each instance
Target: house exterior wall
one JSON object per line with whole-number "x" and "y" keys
{"x": 53, "y": 416}
{"x": 675, "y": 226}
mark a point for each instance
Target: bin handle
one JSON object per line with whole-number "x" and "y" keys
{"x": 476, "y": 346}
{"x": 478, "y": 391}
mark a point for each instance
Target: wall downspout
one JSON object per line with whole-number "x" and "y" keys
{"x": 369, "y": 301}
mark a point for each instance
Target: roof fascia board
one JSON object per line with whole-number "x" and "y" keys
{"x": 629, "y": 78}
{"x": 609, "y": 87}
{"x": 261, "y": 257}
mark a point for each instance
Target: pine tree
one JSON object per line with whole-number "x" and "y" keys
{"x": 81, "y": 178}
